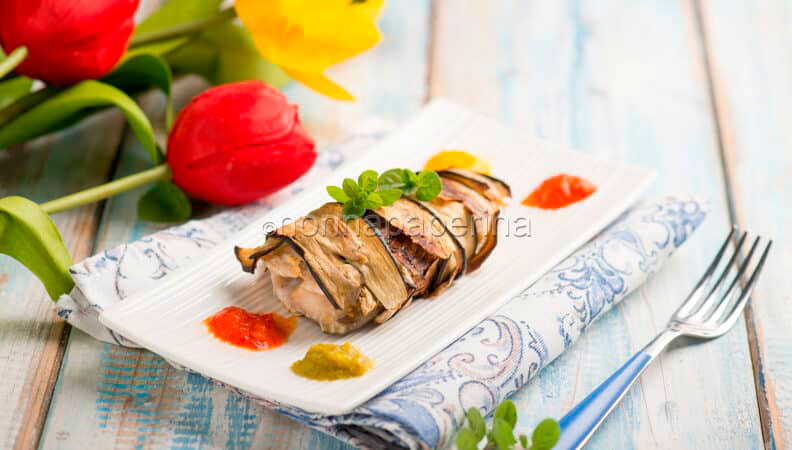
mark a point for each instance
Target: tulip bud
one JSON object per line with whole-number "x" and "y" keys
{"x": 67, "y": 40}
{"x": 238, "y": 142}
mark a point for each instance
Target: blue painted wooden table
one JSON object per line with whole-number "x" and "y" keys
{"x": 699, "y": 90}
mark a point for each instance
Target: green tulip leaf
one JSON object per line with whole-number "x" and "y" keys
{"x": 28, "y": 235}
{"x": 177, "y": 12}
{"x": 173, "y": 13}
{"x": 226, "y": 53}
{"x": 165, "y": 202}
{"x": 68, "y": 105}
{"x": 141, "y": 72}
{"x": 14, "y": 89}
{"x": 159, "y": 48}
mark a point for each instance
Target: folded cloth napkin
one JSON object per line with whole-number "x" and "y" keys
{"x": 481, "y": 368}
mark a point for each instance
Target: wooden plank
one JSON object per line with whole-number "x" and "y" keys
{"x": 31, "y": 336}
{"x": 131, "y": 398}
{"x": 622, "y": 80}
{"x": 750, "y": 69}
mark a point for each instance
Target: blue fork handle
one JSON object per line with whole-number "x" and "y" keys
{"x": 579, "y": 424}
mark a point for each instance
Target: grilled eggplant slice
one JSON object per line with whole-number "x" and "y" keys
{"x": 344, "y": 274}
{"x": 451, "y": 268}
{"x": 491, "y": 187}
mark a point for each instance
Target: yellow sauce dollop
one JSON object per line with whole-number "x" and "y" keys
{"x": 328, "y": 362}
{"x": 457, "y": 159}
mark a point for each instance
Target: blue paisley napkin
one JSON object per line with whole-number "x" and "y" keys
{"x": 481, "y": 368}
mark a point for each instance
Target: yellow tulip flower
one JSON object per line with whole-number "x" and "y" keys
{"x": 305, "y": 37}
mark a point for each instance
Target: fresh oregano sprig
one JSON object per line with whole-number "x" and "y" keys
{"x": 372, "y": 191}
{"x": 425, "y": 184}
{"x": 501, "y": 435}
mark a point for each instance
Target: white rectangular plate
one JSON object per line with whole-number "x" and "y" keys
{"x": 168, "y": 320}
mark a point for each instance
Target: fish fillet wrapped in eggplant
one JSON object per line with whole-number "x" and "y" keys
{"x": 344, "y": 274}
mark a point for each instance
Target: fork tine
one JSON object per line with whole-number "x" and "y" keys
{"x": 695, "y": 296}
{"x": 725, "y": 300}
{"x": 711, "y": 299}
{"x": 734, "y": 314}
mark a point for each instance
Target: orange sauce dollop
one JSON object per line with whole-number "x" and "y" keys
{"x": 559, "y": 191}
{"x": 249, "y": 330}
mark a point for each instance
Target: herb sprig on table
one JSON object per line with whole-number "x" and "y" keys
{"x": 372, "y": 190}
{"x": 501, "y": 435}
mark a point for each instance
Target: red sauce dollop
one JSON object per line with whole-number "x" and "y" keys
{"x": 559, "y": 191}
{"x": 249, "y": 330}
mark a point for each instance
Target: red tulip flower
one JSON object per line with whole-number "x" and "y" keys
{"x": 67, "y": 40}
{"x": 238, "y": 142}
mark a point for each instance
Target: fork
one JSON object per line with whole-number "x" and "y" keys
{"x": 704, "y": 314}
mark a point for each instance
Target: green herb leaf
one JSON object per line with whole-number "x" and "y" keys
{"x": 524, "y": 441}
{"x": 338, "y": 194}
{"x": 368, "y": 181}
{"x": 372, "y": 192}
{"x": 352, "y": 210}
{"x": 373, "y": 201}
{"x": 466, "y": 439}
{"x": 61, "y": 109}
{"x": 545, "y": 435}
{"x": 164, "y": 202}
{"x": 410, "y": 180}
{"x": 13, "y": 89}
{"x": 429, "y": 186}
{"x": 502, "y": 434}
{"x": 389, "y": 196}
{"x": 141, "y": 72}
{"x": 28, "y": 235}
{"x": 507, "y": 412}
{"x": 476, "y": 423}
{"x": 351, "y": 188}
{"x": 391, "y": 179}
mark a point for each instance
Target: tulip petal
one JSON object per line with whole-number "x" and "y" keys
{"x": 321, "y": 84}
{"x": 310, "y": 35}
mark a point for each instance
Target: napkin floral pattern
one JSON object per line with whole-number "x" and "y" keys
{"x": 486, "y": 365}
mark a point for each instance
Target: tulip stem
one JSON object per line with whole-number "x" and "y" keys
{"x": 94, "y": 194}
{"x": 11, "y": 61}
{"x": 184, "y": 29}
